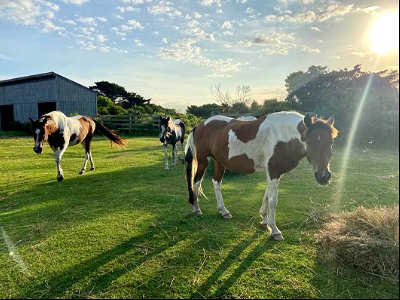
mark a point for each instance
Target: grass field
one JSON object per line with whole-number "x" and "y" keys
{"x": 125, "y": 230}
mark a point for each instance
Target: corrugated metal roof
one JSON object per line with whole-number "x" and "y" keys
{"x": 37, "y": 77}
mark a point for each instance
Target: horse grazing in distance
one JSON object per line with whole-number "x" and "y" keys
{"x": 171, "y": 132}
{"x": 61, "y": 131}
{"x": 274, "y": 143}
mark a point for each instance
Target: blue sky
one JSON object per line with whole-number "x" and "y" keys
{"x": 176, "y": 51}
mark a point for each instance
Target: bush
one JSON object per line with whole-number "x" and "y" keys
{"x": 366, "y": 240}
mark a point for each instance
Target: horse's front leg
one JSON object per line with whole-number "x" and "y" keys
{"x": 58, "y": 155}
{"x": 270, "y": 202}
{"x": 174, "y": 155}
{"x": 166, "y": 167}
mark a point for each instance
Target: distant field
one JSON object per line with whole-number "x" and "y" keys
{"x": 125, "y": 230}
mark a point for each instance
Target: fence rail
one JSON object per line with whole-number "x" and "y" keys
{"x": 134, "y": 124}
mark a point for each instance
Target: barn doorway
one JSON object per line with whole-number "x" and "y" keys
{"x": 6, "y": 117}
{"x": 46, "y": 107}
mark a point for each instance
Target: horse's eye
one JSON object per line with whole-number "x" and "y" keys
{"x": 169, "y": 129}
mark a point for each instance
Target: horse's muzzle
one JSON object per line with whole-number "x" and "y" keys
{"x": 162, "y": 140}
{"x": 323, "y": 177}
{"x": 37, "y": 150}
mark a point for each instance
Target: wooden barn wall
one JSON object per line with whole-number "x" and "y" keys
{"x": 70, "y": 98}
{"x": 25, "y": 96}
{"x": 74, "y": 99}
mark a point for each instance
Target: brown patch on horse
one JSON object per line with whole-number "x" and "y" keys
{"x": 216, "y": 146}
{"x": 246, "y": 130}
{"x": 50, "y": 126}
{"x": 285, "y": 158}
{"x": 88, "y": 127}
{"x": 241, "y": 164}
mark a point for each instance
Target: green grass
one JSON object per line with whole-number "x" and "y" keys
{"x": 126, "y": 230}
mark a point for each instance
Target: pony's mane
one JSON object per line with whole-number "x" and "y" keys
{"x": 322, "y": 123}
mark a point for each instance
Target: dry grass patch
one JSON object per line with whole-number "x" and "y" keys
{"x": 365, "y": 239}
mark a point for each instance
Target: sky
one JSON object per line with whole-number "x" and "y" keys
{"x": 175, "y": 52}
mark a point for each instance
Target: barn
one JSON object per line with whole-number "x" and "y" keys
{"x": 31, "y": 96}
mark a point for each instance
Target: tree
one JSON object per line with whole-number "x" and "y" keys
{"x": 118, "y": 94}
{"x": 341, "y": 92}
{"x": 241, "y": 95}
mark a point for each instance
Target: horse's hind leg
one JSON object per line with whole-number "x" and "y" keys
{"x": 88, "y": 156}
{"x": 219, "y": 171}
{"x": 198, "y": 178}
{"x": 183, "y": 152}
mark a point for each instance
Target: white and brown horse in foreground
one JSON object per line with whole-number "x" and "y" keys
{"x": 274, "y": 143}
{"x": 171, "y": 132}
{"x": 61, "y": 131}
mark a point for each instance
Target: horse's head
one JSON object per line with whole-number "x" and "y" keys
{"x": 40, "y": 134}
{"x": 318, "y": 134}
{"x": 165, "y": 128}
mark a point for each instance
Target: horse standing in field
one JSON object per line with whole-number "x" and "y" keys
{"x": 61, "y": 131}
{"x": 171, "y": 132}
{"x": 274, "y": 143}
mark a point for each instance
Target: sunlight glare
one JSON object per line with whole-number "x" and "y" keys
{"x": 384, "y": 34}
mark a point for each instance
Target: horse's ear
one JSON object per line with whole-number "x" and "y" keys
{"x": 308, "y": 120}
{"x": 168, "y": 119}
{"x": 330, "y": 121}
{"x": 160, "y": 118}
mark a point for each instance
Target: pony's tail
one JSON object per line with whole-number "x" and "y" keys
{"x": 111, "y": 135}
{"x": 191, "y": 165}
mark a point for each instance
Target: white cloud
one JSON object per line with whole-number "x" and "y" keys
{"x": 325, "y": 13}
{"x": 194, "y": 29}
{"x": 226, "y": 25}
{"x": 164, "y": 7}
{"x": 307, "y": 49}
{"x": 275, "y": 43}
{"x": 187, "y": 51}
{"x": 75, "y": 2}
{"x": 135, "y": 24}
{"x": 208, "y": 3}
{"x": 27, "y": 12}
{"x": 316, "y": 29}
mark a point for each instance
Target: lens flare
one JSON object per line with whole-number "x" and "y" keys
{"x": 12, "y": 251}
{"x": 337, "y": 197}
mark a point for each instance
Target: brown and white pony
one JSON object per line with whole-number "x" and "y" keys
{"x": 61, "y": 131}
{"x": 172, "y": 131}
{"x": 274, "y": 143}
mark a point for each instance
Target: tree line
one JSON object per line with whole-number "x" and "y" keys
{"x": 317, "y": 90}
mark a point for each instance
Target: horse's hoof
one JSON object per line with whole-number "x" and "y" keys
{"x": 277, "y": 237}
{"x": 81, "y": 172}
{"x": 60, "y": 178}
{"x": 198, "y": 213}
{"x": 227, "y": 216}
{"x": 92, "y": 169}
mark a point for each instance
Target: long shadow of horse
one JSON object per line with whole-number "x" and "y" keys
{"x": 56, "y": 208}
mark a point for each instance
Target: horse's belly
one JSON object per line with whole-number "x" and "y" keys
{"x": 242, "y": 164}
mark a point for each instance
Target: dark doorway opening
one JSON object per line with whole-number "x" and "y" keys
{"x": 6, "y": 117}
{"x": 46, "y": 107}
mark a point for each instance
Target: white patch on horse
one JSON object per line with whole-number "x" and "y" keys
{"x": 218, "y": 118}
{"x": 246, "y": 118}
{"x": 278, "y": 127}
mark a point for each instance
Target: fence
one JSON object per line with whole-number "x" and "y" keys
{"x": 133, "y": 124}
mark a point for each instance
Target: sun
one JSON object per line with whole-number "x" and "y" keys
{"x": 384, "y": 34}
